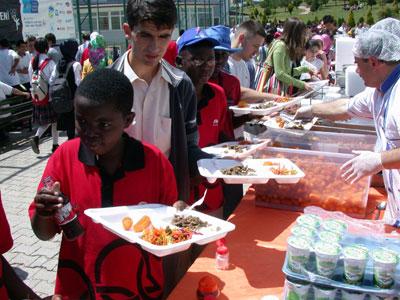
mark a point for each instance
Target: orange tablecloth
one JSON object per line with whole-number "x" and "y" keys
{"x": 257, "y": 251}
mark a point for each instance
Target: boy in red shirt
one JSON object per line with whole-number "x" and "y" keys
{"x": 196, "y": 58}
{"x": 103, "y": 168}
{"x": 11, "y": 286}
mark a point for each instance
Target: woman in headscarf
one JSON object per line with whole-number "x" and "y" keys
{"x": 97, "y": 56}
{"x": 72, "y": 70}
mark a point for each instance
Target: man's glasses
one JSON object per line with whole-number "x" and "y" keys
{"x": 198, "y": 62}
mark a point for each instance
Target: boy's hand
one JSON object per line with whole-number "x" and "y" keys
{"x": 48, "y": 200}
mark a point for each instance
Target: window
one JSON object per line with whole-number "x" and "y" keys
{"x": 103, "y": 21}
{"x": 116, "y": 20}
{"x": 85, "y": 22}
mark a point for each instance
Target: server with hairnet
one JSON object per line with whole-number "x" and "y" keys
{"x": 377, "y": 55}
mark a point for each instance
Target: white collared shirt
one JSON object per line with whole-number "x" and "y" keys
{"x": 152, "y": 122}
{"x": 385, "y": 111}
{"x": 239, "y": 69}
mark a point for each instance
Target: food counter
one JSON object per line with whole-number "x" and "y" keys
{"x": 257, "y": 251}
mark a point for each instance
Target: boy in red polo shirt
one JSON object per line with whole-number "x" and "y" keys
{"x": 11, "y": 286}
{"x": 103, "y": 168}
{"x": 196, "y": 58}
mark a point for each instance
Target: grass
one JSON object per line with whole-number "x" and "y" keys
{"x": 334, "y": 8}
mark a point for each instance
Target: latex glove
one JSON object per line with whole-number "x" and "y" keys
{"x": 304, "y": 112}
{"x": 365, "y": 164}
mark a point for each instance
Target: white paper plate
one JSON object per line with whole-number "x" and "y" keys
{"x": 264, "y": 111}
{"x": 161, "y": 216}
{"x": 211, "y": 169}
{"x": 222, "y": 150}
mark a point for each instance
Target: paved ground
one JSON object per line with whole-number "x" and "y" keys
{"x": 35, "y": 261}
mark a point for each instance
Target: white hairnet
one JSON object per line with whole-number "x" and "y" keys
{"x": 381, "y": 41}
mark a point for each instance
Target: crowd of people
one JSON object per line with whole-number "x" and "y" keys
{"x": 136, "y": 129}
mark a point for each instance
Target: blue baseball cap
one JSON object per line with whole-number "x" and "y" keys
{"x": 193, "y": 36}
{"x": 221, "y": 34}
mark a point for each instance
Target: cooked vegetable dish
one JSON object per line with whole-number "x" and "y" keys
{"x": 191, "y": 222}
{"x": 239, "y": 170}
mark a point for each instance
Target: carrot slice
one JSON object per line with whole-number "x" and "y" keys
{"x": 127, "y": 223}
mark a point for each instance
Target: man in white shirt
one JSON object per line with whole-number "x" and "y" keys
{"x": 23, "y": 64}
{"x": 83, "y": 46}
{"x": 249, "y": 36}
{"x": 8, "y": 67}
{"x": 377, "y": 55}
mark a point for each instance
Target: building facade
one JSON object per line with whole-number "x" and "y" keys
{"x": 107, "y": 16}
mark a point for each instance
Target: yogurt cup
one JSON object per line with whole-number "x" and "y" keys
{"x": 299, "y": 248}
{"x": 296, "y": 290}
{"x": 333, "y": 225}
{"x": 329, "y": 236}
{"x": 355, "y": 258}
{"x": 299, "y": 230}
{"x": 309, "y": 220}
{"x": 385, "y": 262}
{"x": 349, "y": 295}
{"x": 321, "y": 293}
{"x": 327, "y": 256}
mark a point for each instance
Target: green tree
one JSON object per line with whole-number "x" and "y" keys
{"x": 290, "y": 8}
{"x": 361, "y": 20}
{"x": 297, "y": 3}
{"x": 340, "y": 21}
{"x": 264, "y": 18}
{"x": 353, "y": 2}
{"x": 350, "y": 19}
{"x": 395, "y": 8}
{"x": 371, "y": 3}
{"x": 267, "y": 11}
{"x": 315, "y": 5}
{"x": 385, "y": 12}
{"x": 324, "y": 2}
{"x": 370, "y": 19}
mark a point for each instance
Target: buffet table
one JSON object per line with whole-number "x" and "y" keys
{"x": 257, "y": 250}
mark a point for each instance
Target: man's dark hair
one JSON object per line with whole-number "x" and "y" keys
{"x": 19, "y": 43}
{"x": 51, "y": 37}
{"x": 181, "y": 32}
{"x": 4, "y": 43}
{"x": 86, "y": 36}
{"x": 328, "y": 19}
{"x": 105, "y": 86}
{"x": 251, "y": 28}
{"x": 160, "y": 12}
{"x": 31, "y": 38}
{"x": 270, "y": 35}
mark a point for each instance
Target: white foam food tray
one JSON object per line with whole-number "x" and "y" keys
{"x": 161, "y": 217}
{"x": 236, "y": 150}
{"x": 212, "y": 170}
{"x": 317, "y": 85}
{"x": 273, "y": 123}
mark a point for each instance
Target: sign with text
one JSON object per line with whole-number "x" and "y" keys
{"x": 20, "y": 18}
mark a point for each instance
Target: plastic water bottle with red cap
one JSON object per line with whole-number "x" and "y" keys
{"x": 222, "y": 255}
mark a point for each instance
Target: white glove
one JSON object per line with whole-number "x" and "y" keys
{"x": 304, "y": 112}
{"x": 365, "y": 164}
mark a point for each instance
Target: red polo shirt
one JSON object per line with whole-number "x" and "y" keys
{"x": 212, "y": 118}
{"x": 6, "y": 243}
{"x": 99, "y": 265}
{"x": 231, "y": 86}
